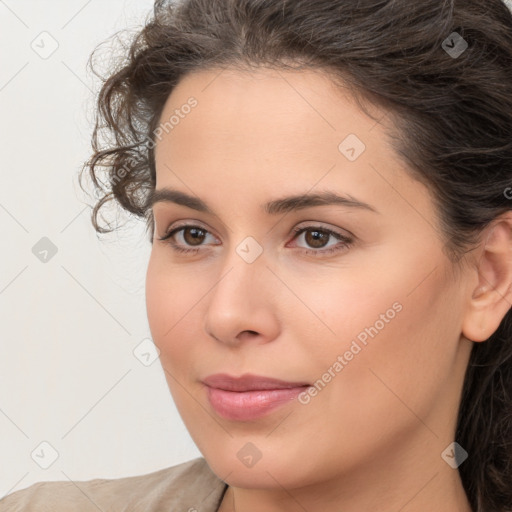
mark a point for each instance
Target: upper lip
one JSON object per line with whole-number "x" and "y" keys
{"x": 248, "y": 382}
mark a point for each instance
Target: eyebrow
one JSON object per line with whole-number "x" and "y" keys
{"x": 274, "y": 207}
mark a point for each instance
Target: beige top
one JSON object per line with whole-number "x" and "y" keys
{"x": 187, "y": 487}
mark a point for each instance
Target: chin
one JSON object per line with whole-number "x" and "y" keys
{"x": 263, "y": 475}
{"x": 268, "y": 472}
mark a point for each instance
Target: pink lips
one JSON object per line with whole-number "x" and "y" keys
{"x": 249, "y": 397}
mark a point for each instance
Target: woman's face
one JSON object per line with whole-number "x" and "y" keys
{"x": 372, "y": 324}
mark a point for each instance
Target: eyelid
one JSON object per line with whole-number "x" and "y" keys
{"x": 186, "y": 224}
{"x": 324, "y": 225}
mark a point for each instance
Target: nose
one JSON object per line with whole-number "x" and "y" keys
{"x": 242, "y": 304}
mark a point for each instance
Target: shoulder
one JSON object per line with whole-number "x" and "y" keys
{"x": 191, "y": 486}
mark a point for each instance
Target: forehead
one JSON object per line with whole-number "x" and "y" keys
{"x": 251, "y": 136}
{"x": 258, "y": 114}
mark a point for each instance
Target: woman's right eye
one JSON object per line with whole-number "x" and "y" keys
{"x": 189, "y": 233}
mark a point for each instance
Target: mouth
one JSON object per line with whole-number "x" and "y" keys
{"x": 249, "y": 397}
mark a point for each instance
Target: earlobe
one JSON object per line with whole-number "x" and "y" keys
{"x": 491, "y": 298}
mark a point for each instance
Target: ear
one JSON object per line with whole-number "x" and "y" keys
{"x": 491, "y": 298}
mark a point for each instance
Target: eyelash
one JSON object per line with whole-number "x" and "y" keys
{"x": 346, "y": 242}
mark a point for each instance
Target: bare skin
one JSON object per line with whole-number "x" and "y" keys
{"x": 373, "y": 437}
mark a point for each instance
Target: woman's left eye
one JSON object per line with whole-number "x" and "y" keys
{"x": 315, "y": 236}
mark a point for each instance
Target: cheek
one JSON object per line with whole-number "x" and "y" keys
{"x": 399, "y": 375}
{"x": 399, "y": 350}
{"x": 395, "y": 330}
{"x": 174, "y": 309}
{"x": 159, "y": 302}
{"x": 167, "y": 301}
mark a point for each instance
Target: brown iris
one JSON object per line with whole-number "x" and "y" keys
{"x": 197, "y": 235}
{"x": 315, "y": 237}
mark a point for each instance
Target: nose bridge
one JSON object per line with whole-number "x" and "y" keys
{"x": 243, "y": 269}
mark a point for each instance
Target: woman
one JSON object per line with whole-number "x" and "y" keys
{"x": 328, "y": 190}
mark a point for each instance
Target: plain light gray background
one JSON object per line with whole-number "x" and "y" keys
{"x": 69, "y": 326}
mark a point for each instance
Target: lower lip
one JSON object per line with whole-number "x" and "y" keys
{"x": 250, "y": 405}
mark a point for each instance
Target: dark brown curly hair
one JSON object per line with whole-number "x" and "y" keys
{"x": 453, "y": 123}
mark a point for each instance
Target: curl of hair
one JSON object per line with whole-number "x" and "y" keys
{"x": 453, "y": 127}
